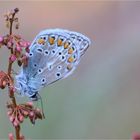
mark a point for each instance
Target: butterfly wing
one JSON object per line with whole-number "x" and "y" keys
{"x": 54, "y": 54}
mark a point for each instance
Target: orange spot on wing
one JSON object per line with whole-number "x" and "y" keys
{"x": 66, "y": 45}
{"x": 70, "y": 50}
{"x": 60, "y": 42}
{"x": 70, "y": 59}
{"x": 51, "y": 40}
{"x": 41, "y": 41}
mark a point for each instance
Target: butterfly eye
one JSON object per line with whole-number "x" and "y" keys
{"x": 46, "y": 52}
{"x": 40, "y": 71}
{"x": 39, "y": 50}
{"x": 58, "y": 74}
{"x": 51, "y": 39}
{"x": 30, "y": 54}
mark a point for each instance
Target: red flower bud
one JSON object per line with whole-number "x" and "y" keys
{"x": 30, "y": 103}
{"x": 12, "y": 58}
{"x": 11, "y": 118}
{"x": 16, "y": 123}
{"x": 20, "y": 118}
{"x": 31, "y": 114}
{"x": 1, "y": 39}
{"x": 18, "y": 48}
{"x": 11, "y": 136}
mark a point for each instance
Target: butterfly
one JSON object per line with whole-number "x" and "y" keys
{"x": 53, "y": 55}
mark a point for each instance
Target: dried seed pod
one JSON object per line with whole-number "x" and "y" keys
{"x": 16, "y": 10}
{"x": 4, "y": 79}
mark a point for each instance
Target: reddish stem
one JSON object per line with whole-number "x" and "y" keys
{"x": 11, "y": 92}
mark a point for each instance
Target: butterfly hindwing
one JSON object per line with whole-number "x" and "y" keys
{"x": 54, "y": 54}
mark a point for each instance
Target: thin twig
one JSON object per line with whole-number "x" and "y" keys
{"x": 11, "y": 92}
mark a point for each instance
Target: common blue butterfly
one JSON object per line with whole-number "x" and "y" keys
{"x": 54, "y": 54}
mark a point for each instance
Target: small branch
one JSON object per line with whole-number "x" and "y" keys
{"x": 9, "y": 68}
{"x": 11, "y": 92}
{"x": 17, "y": 131}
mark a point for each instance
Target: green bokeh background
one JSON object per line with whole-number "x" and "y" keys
{"x": 101, "y": 99}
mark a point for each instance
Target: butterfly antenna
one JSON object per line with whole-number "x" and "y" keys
{"x": 42, "y": 106}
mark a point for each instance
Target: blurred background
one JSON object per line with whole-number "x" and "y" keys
{"x": 101, "y": 100}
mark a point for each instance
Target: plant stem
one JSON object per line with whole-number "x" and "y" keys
{"x": 11, "y": 92}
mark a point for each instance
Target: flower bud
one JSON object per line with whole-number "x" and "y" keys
{"x": 9, "y": 44}
{"x": 22, "y": 137}
{"x": 21, "y": 43}
{"x": 9, "y": 113}
{"x": 25, "y": 44}
{"x": 1, "y": 39}
{"x": 11, "y": 136}
{"x": 20, "y": 118}
{"x": 16, "y": 123}
{"x": 12, "y": 58}
{"x": 11, "y": 118}
{"x": 18, "y": 48}
{"x": 31, "y": 114}
{"x": 28, "y": 44}
{"x": 4, "y": 83}
{"x": 12, "y": 89}
{"x": 30, "y": 103}
{"x": 38, "y": 110}
{"x": 25, "y": 113}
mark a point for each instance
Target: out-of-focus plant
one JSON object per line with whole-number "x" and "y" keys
{"x": 18, "y": 48}
{"x": 136, "y": 136}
